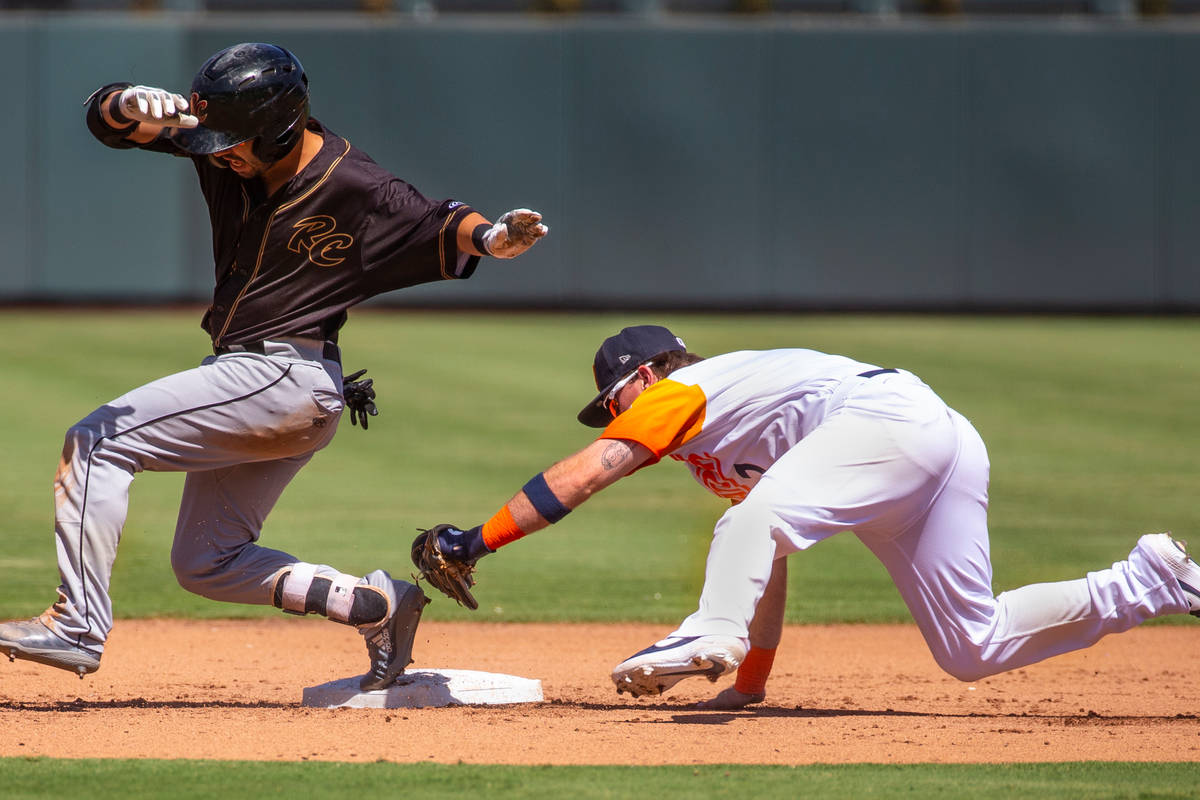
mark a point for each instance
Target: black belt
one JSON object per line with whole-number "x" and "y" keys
{"x": 872, "y": 373}
{"x": 330, "y": 350}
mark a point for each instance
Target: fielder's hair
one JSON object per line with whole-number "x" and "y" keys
{"x": 666, "y": 363}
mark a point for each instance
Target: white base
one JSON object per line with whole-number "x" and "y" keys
{"x": 427, "y": 688}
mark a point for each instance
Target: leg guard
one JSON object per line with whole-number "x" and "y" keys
{"x": 342, "y": 598}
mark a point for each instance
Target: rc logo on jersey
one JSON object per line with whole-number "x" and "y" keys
{"x": 317, "y": 237}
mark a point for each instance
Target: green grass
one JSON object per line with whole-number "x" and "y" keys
{"x": 182, "y": 780}
{"x": 1090, "y": 424}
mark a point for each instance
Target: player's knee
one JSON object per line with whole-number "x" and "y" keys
{"x": 756, "y": 512}
{"x": 80, "y": 439}
{"x": 964, "y": 662}
{"x": 92, "y": 438}
{"x": 194, "y": 573}
{"x": 188, "y": 578}
{"x": 967, "y": 672}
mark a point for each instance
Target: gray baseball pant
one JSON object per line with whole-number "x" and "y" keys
{"x": 241, "y": 425}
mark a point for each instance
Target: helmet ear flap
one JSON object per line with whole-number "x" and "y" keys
{"x": 269, "y": 151}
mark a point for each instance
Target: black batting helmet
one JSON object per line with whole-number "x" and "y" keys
{"x": 247, "y": 92}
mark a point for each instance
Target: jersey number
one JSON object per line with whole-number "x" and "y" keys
{"x": 317, "y": 237}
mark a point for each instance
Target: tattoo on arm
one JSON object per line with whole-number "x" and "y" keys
{"x": 615, "y": 455}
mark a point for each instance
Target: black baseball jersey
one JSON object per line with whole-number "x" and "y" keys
{"x": 341, "y": 231}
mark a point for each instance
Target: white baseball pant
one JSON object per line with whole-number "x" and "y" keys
{"x": 910, "y": 477}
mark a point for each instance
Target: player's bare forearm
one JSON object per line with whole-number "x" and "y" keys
{"x": 730, "y": 699}
{"x": 576, "y": 478}
{"x": 766, "y": 629}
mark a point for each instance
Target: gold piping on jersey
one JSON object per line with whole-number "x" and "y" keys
{"x": 262, "y": 246}
{"x": 442, "y": 243}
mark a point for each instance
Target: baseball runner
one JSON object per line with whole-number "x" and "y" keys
{"x": 304, "y": 226}
{"x": 805, "y": 445}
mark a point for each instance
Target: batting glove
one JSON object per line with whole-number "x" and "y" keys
{"x": 156, "y": 106}
{"x": 360, "y": 398}
{"x": 514, "y": 233}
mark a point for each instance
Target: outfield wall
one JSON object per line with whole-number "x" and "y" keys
{"x": 779, "y": 162}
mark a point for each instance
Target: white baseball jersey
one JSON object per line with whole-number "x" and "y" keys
{"x": 808, "y": 444}
{"x": 730, "y": 417}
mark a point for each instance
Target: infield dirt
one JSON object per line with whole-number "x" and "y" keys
{"x": 839, "y": 694}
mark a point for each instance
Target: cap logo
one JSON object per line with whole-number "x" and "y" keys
{"x": 199, "y": 107}
{"x": 625, "y": 358}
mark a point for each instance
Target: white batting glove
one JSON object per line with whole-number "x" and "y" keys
{"x": 514, "y": 233}
{"x": 156, "y": 106}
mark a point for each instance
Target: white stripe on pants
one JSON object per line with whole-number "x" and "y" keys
{"x": 243, "y": 424}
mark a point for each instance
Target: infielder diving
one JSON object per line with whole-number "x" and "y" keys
{"x": 304, "y": 226}
{"x": 807, "y": 444}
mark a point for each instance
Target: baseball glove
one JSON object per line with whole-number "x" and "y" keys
{"x": 360, "y": 398}
{"x": 443, "y": 553}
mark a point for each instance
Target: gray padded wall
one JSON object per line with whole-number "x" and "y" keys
{"x": 1179, "y": 174}
{"x": 771, "y": 163}
{"x": 19, "y": 225}
{"x": 106, "y": 223}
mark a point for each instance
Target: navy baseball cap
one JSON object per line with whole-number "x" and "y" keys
{"x": 619, "y": 356}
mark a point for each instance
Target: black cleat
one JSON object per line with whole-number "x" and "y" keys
{"x": 390, "y": 644}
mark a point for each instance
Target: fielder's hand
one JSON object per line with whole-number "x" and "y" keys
{"x": 359, "y": 397}
{"x": 446, "y": 556}
{"x": 730, "y": 700}
{"x": 514, "y": 233}
{"x": 156, "y": 106}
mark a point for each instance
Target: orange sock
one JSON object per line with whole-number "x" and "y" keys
{"x": 753, "y": 672}
{"x": 501, "y": 529}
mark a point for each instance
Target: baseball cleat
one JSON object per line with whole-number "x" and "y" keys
{"x": 390, "y": 644}
{"x": 32, "y": 640}
{"x": 1174, "y": 554}
{"x": 667, "y": 662}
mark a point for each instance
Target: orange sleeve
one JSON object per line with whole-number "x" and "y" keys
{"x": 754, "y": 670}
{"x": 662, "y": 418}
{"x": 501, "y": 529}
